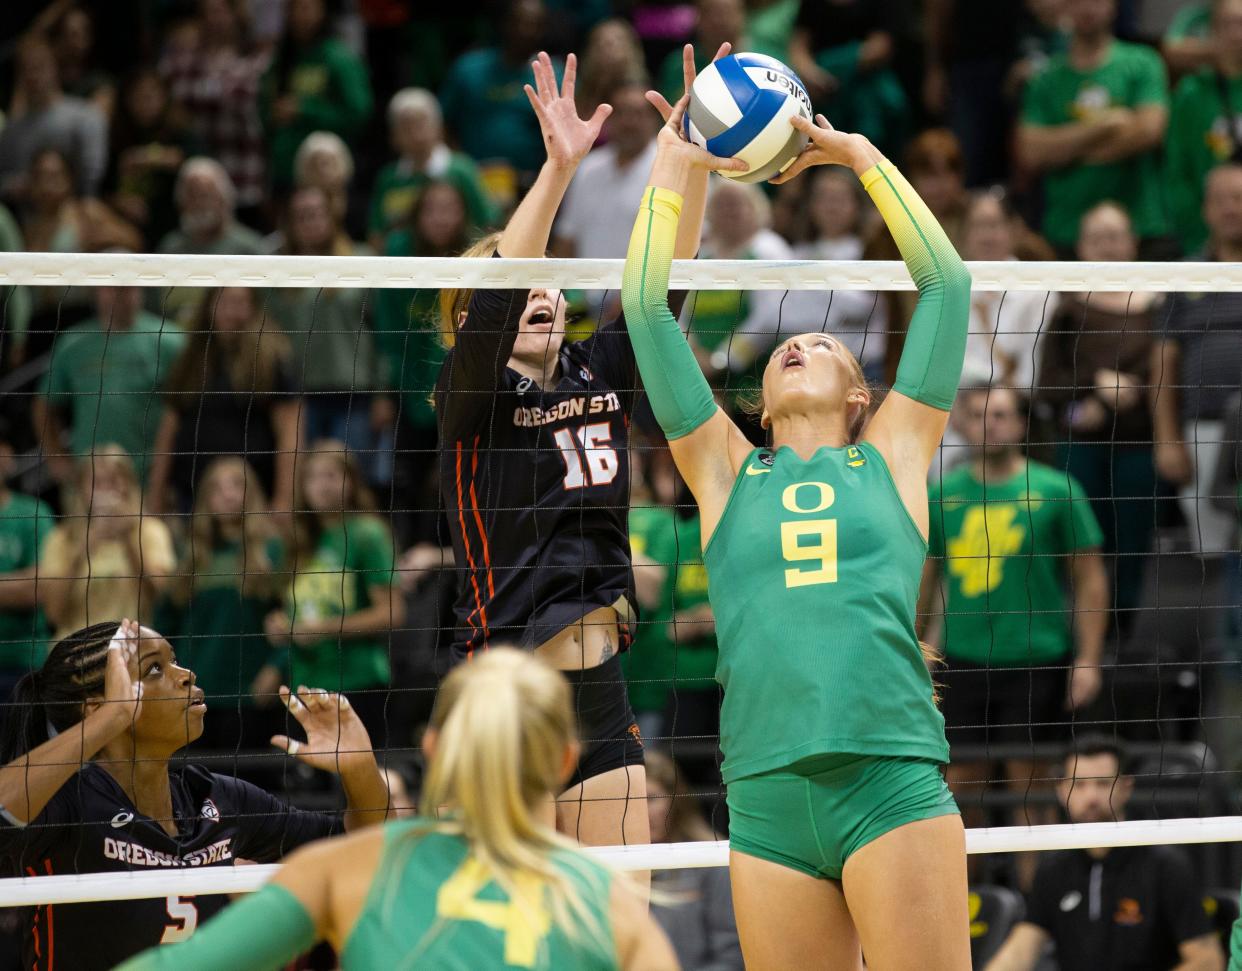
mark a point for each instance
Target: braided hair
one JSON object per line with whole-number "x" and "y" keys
{"x": 50, "y": 700}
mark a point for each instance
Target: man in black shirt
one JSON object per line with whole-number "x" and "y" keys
{"x": 1127, "y": 909}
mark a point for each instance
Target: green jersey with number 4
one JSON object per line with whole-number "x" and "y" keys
{"x": 814, "y": 574}
{"x": 435, "y": 907}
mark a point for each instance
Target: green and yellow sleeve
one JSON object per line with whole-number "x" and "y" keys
{"x": 261, "y": 932}
{"x": 679, "y": 394}
{"x": 935, "y": 348}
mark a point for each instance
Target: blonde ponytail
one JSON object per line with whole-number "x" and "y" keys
{"x": 504, "y": 723}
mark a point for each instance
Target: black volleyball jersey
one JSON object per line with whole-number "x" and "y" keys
{"x": 536, "y": 481}
{"x": 90, "y": 826}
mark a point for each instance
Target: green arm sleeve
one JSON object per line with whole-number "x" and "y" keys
{"x": 261, "y": 932}
{"x": 679, "y": 394}
{"x": 931, "y": 361}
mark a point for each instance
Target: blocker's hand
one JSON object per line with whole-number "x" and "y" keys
{"x": 827, "y": 146}
{"x": 566, "y": 137}
{"x": 335, "y": 735}
{"x": 688, "y": 73}
{"x": 672, "y": 145}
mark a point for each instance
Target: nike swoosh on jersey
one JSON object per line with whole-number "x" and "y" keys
{"x": 751, "y": 470}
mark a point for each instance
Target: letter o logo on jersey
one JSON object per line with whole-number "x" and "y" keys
{"x": 789, "y": 498}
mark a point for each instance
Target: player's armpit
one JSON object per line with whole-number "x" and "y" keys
{"x": 710, "y": 459}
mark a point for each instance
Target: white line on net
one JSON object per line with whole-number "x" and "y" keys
{"x": 165, "y": 270}
{"x": 80, "y": 888}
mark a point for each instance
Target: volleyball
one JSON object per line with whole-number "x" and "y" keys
{"x": 740, "y": 107}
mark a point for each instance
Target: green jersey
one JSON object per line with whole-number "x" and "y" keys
{"x": 351, "y": 557}
{"x": 218, "y": 631}
{"x": 1004, "y": 546}
{"x": 433, "y": 906}
{"x": 1205, "y": 126}
{"x": 108, "y": 380}
{"x": 24, "y": 524}
{"x": 1192, "y": 20}
{"x": 1131, "y": 76}
{"x": 814, "y": 573}
{"x": 399, "y": 184}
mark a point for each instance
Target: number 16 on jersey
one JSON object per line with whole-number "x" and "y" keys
{"x": 595, "y": 443}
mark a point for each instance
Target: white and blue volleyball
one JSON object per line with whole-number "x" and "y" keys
{"x": 740, "y": 107}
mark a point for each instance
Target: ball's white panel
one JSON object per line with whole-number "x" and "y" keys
{"x": 762, "y": 151}
{"x": 696, "y": 136}
{"x": 710, "y": 88}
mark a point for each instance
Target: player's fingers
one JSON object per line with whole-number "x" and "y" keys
{"x": 541, "y": 83}
{"x": 290, "y": 746}
{"x": 600, "y": 116}
{"x": 824, "y": 123}
{"x": 549, "y": 77}
{"x": 688, "y": 70}
{"x": 718, "y": 164}
{"x": 660, "y": 103}
{"x": 677, "y": 112}
{"x": 316, "y": 699}
{"x": 800, "y": 163}
{"x": 535, "y": 103}
{"x": 292, "y": 702}
{"x": 724, "y": 51}
{"x": 569, "y": 77}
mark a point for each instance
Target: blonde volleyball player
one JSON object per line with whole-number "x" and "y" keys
{"x": 844, "y": 838}
{"x": 476, "y": 882}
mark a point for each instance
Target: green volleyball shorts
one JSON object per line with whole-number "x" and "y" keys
{"x": 811, "y": 816}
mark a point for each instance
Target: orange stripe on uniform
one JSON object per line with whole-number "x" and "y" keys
{"x": 465, "y": 539}
{"x": 51, "y": 927}
{"x": 478, "y": 519}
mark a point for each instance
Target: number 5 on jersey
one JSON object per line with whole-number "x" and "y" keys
{"x": 809, "y": 540}
{"x": 601, "y": 457}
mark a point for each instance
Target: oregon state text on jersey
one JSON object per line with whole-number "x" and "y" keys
{"x": 90, "y": 826}
{"x": 536, "y": 481}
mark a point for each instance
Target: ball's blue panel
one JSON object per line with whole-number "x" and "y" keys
{"x": 740, "y": 86}
{"x": 758, "y": 113}
{"x": 769, "y": 63}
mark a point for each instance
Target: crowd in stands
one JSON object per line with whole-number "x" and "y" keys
{"x": 254, "y": 470}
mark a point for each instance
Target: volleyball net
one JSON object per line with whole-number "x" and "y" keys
{"x": 1129, "y": 398}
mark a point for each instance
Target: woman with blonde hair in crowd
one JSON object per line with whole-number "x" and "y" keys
{"x": 105, "y": 559}
{"x": 227, "y": 582}
{"x": 475, "y": 881}
{"x": 340, "y": 606}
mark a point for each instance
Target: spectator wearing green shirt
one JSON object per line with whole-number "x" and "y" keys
{"x": 213, "y": 613}
{"x": 314, "y": 83}
{"x": 1092, "y": 124}
{"x": 341, "y": 603}
{"x": 407, "y": 333}
{"x": 102, "y": 383}
{"x": 417, "y": 130}
{"x": 1007, "y": 536}
{"x": 329, "y": 331}
{"x": 1188, "y": 44}
{"x": 719, "y": 22}
{"x": 24, "y": 525}
{"x": 484, "y": 105}
{"x": 1205, "y": 125}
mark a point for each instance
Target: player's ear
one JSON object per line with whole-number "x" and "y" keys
{"x": 765, "y": 420}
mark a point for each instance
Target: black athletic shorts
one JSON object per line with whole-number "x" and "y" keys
{"x": 985, "y": 704}
{"x": 606, "y": 723}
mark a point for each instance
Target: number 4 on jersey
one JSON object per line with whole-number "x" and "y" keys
{"x": 524, "y": 925}
{"x": 601, "y": 458}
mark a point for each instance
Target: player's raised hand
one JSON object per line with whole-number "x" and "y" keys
{"x": 122, "y": 681}
{"x": 335, "y": 735}
{"x": 566, "y": 137}
{"x": 688, "y": 72}
{"x": 673, "y": 146}
{"x": 827, "y": 146}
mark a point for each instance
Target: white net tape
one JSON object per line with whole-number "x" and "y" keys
{"x": 386, "y": 272}
{"x": 85, "y": 887}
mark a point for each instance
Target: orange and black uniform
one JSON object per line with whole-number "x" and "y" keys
{"x": 90, "y": 826}
{"x": 1128, "y": 911}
